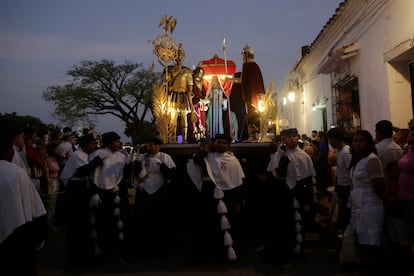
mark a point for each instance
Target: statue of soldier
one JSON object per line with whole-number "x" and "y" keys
{"x": 180, "y": 86}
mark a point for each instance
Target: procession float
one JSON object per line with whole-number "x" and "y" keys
{"x": 193, "y": 104}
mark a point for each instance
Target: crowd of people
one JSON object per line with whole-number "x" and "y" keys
{"x": 371, "y": 177}
{"x": 374, "y": 188}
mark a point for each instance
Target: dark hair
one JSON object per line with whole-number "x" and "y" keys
{"x": 221, "y": 136}
{"x": 67, "y": 129}
{"x": 336, "y": 133}
{"x": 357, "y": 156}
{"x": 5, "y": 143}
{"x": 51, "y": 147}
{"x": 321, "y": 134}
{"x": 12, "y": 129}
{"x": 154, "y": 140}
{"x": 29, "y": 131}
{"x": 109, "y": 137}
{"x": 385, "y": 128}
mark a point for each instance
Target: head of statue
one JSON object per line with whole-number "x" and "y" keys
{"x": 198, "y": 74}
{"x": 180, "y": 55}
{"x": 248, "y": 53}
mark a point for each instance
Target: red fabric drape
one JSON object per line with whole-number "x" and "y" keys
{"x": 217, "y": 66}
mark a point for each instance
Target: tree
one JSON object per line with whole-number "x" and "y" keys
{"x": 101, "y": 87}
{"x": 11, "y": 120}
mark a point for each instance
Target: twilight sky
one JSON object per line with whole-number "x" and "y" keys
{"x": 40, "y": 40}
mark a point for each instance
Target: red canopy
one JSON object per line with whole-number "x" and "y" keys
{"x": 216, "y": 66}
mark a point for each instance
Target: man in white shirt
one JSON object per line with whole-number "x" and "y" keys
{"x": 336, "y": 138}
{"x": 387, "y": 149}
{"x": 65, "y": 148}
{"x": 16, "y": 134}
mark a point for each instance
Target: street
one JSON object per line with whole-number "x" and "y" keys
{"x": 320, "y": 258}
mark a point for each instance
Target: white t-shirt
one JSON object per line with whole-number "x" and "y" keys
{"x": 343, "y": 162}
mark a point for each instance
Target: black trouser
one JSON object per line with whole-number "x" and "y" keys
{"x": 17, "y": 251}
{"x": 152, "y": 222}
{"x": 78, "y": 226}
{"x": 279, "y": 229}
{"x": 107, "y": 221}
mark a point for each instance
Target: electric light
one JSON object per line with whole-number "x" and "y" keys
{"x": 261, "y": 103}
{"x": 291, "y": 97}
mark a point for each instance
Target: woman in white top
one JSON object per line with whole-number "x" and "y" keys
{"x": 367, "y": 211}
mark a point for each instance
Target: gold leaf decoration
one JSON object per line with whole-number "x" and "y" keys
{"x": 160, "y": 111}
{"x": 268, "y": 112}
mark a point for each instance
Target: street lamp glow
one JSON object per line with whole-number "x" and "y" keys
{"x": 261, "y": 103}
{"x": 291, "y": 97}
{"x": 284, "y": 101}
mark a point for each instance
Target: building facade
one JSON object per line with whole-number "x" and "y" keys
{"x": 357, "y": 71}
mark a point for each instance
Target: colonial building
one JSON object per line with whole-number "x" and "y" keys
{"x": 357, "y": 71}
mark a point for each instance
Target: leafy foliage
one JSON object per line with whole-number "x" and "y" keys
{"x": 102, "y": 87}
{"x": 12, "y": 120}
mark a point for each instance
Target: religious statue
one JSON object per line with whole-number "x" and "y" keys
{"x": 217, "y": 114}
{"x": 252, "y": 80}
{"x": 249, "y": 84}
{"x": 180, "y": 86}
{"x": 198, "y": 127}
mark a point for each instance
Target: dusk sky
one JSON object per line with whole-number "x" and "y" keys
{"x": 40, "y": 40}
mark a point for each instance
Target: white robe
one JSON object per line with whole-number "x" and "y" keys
{"x": 110, "y": 173}
{"x": 78, "y": 159}
{"x": 19, "y": 200}
{"x": 224, "y": 170}
{"x": 151, "y": 166}
{"x": 299, "y": 167}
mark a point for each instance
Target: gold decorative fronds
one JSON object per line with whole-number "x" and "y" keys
{"x": 269, "y": 99}
{"x": 160, "y": 110}
{"x": 268, "y": 112}
{"x": 270, "y": 88}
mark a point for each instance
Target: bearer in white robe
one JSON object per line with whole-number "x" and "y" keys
{"x": 76, "y": 176}
{"x": 153, "y": 207}
{"x": 22, "y": 216}
{"x": 293, "y": 172}
{"x": 107, "y": 201}
{"x": 222, "y": 177}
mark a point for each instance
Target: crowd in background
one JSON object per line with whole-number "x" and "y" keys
{"x": 83, "y": 183}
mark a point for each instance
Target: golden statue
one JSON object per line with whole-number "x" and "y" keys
{"x": 180, "y": 86}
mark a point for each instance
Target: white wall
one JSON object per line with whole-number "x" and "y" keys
{"x": 384, "y": 91}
